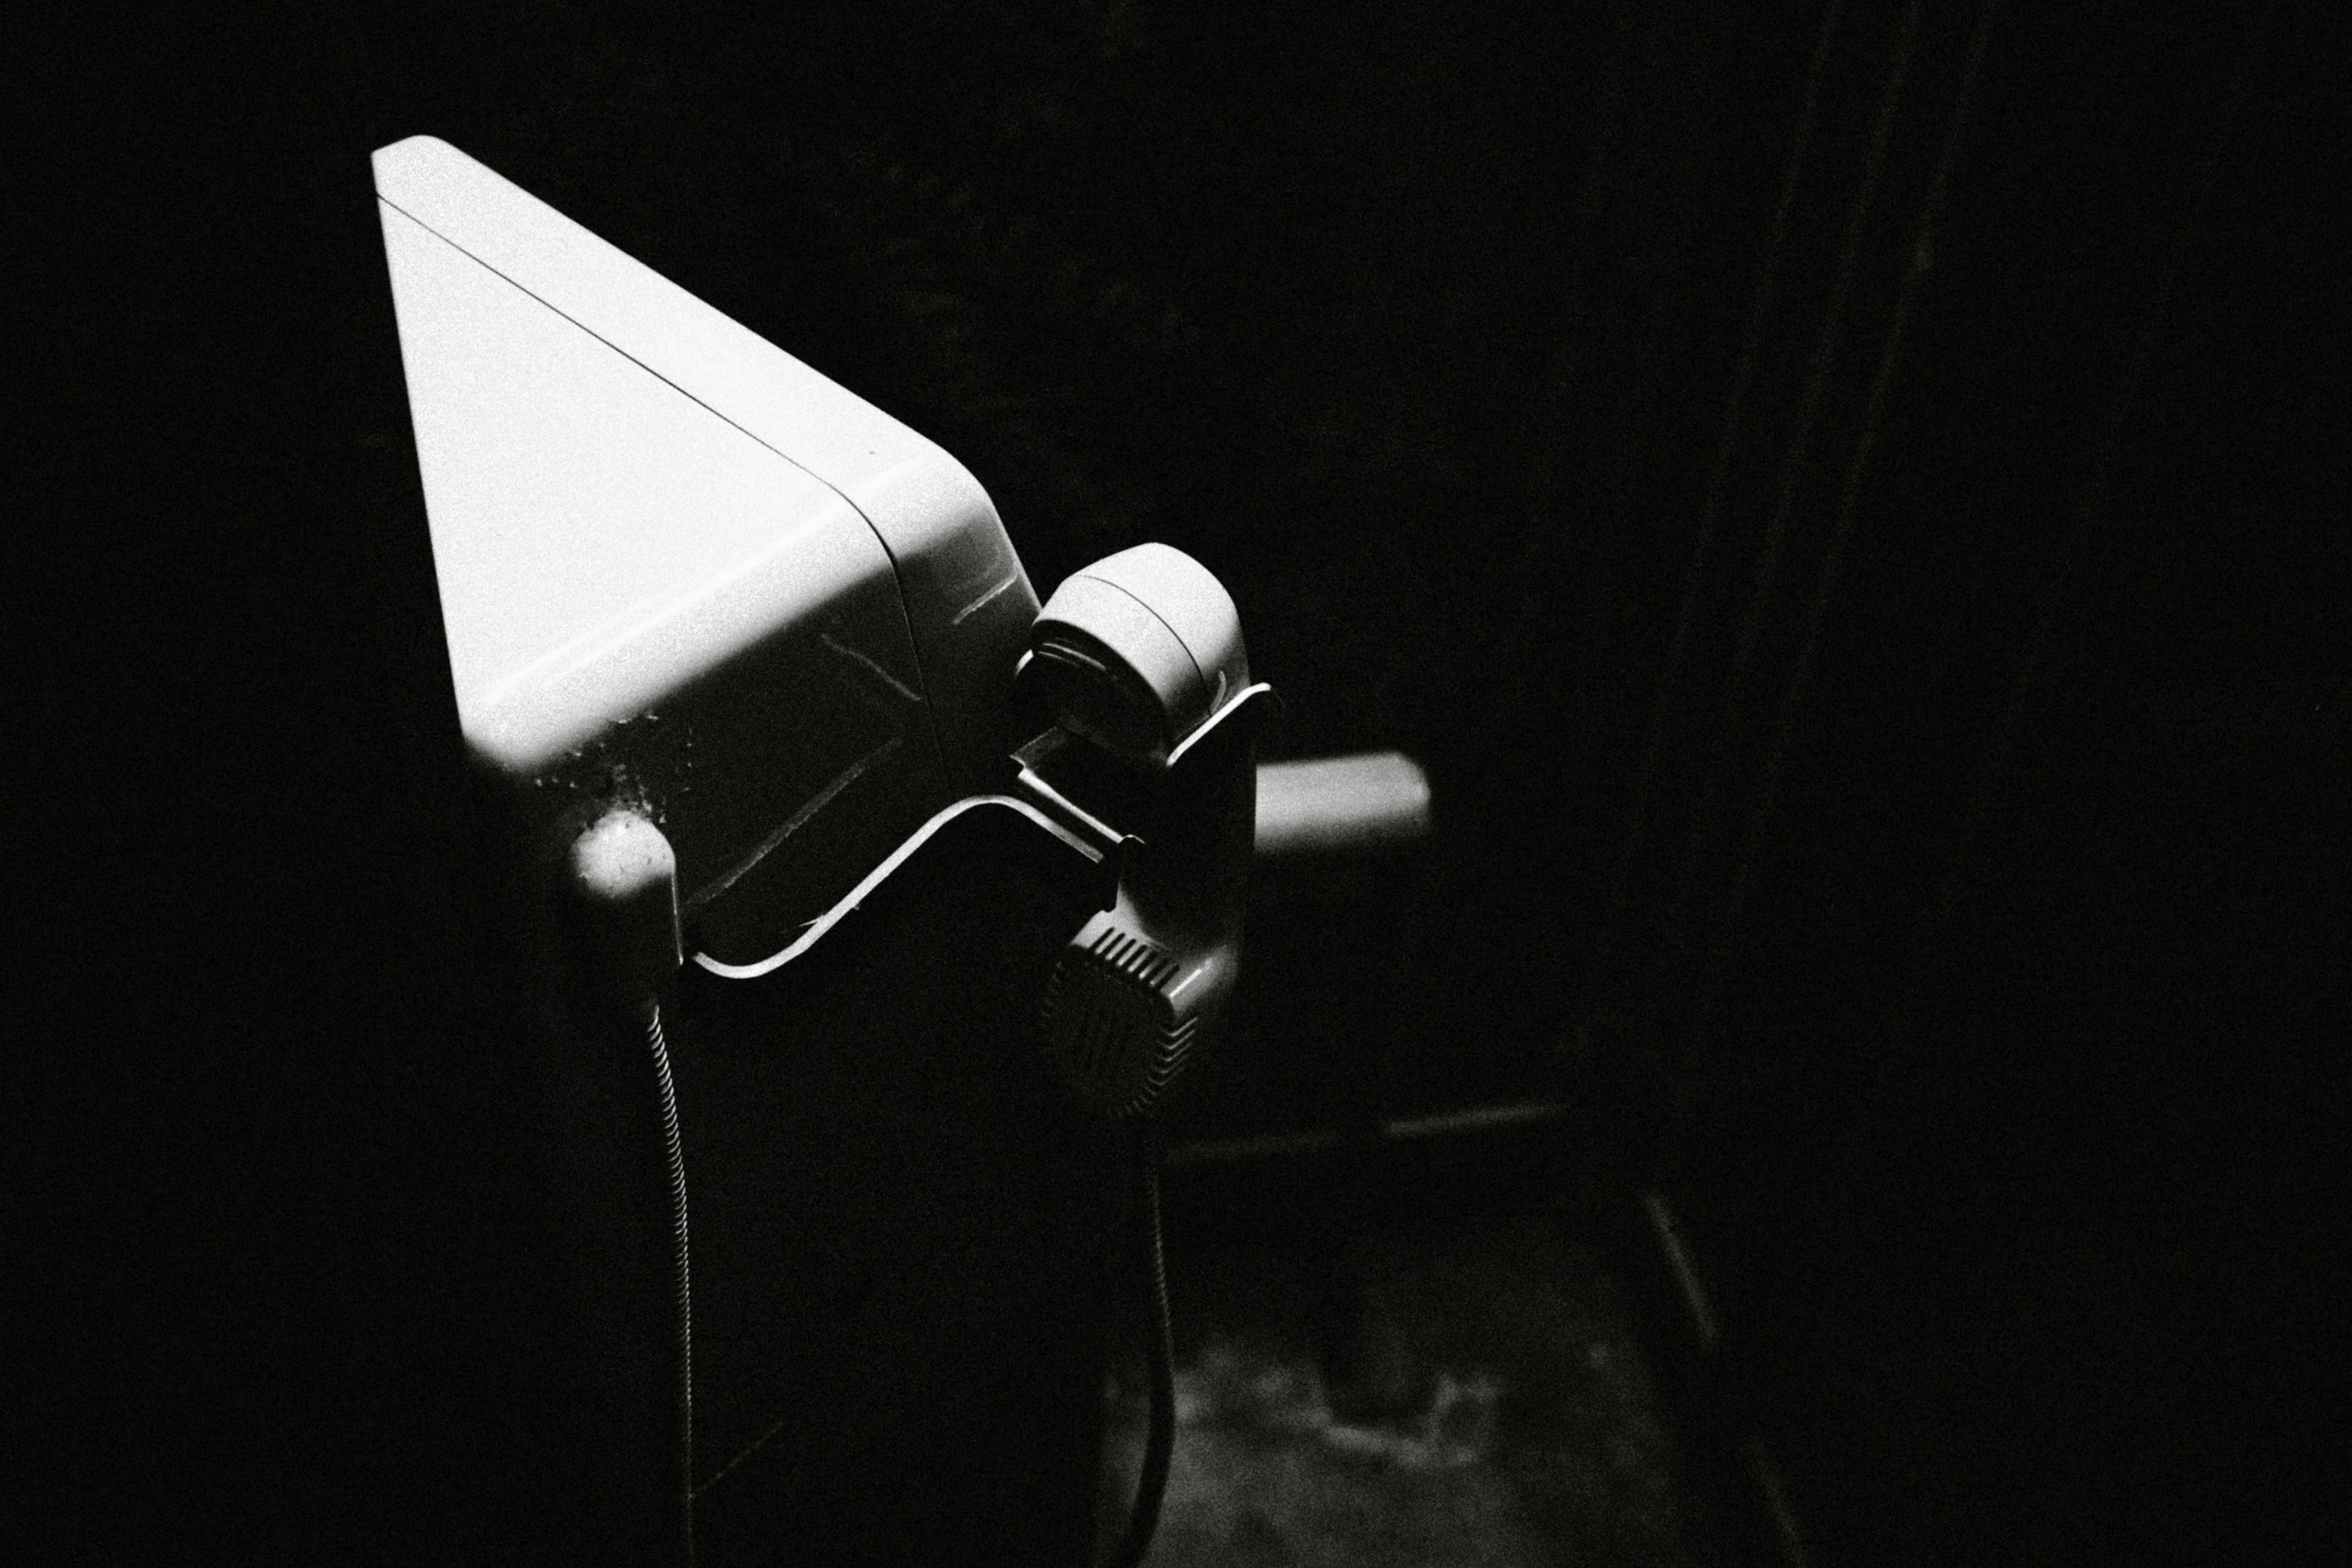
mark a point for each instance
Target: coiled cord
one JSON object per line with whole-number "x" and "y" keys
{"x": 1160, "y": 1446}
{"x": 674, "y": 1148}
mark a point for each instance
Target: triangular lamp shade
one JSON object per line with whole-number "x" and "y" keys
{"x": 679, "y": 567}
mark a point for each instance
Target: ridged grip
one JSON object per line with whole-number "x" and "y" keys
{"x": 1113, "y": 1008}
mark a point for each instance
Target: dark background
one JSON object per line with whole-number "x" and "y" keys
{"x": 1966, "y": 977}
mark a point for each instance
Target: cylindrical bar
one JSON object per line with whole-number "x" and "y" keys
{"x": 1338, "y": 805}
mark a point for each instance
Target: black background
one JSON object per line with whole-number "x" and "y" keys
{"x": 1418, "y": 326}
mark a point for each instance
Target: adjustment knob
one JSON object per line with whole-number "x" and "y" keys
{"x": 1137, "y": 651}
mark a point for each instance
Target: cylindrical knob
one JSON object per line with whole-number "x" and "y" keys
{"x": 1137, "y": 651}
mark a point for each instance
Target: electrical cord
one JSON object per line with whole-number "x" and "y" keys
{"x": 674, "y": 1148}
{"x": 1151, "y": 1483}
{"x": 623, "y": 901}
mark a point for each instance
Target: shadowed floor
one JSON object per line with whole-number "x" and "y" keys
{"x": 1493, "y": 1409}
